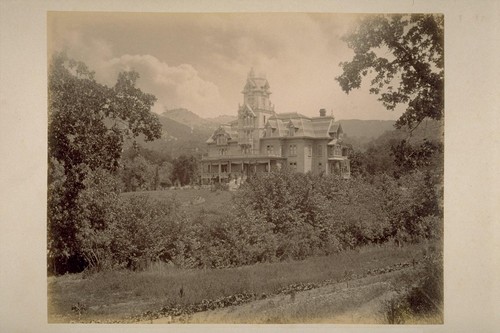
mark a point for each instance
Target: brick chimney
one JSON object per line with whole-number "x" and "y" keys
{"x": 322, "y": 112}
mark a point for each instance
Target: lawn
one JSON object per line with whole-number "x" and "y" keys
{"x": 118, "y": 295}
{"x": 192, "y": 200}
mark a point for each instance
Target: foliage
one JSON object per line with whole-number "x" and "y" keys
{"x": 185, "y": 170}
{"x": 318, "y": 214}
{"x": 97, "y": 206}
{"x": 405, "y": 55}
{"x": 412, "y": 206}
{"x": 147, "y": 231}
{"x": 87, "y": 125}
{"x": 420, "y": 298}
{"x": 138, "y": 174}
{"x": 143, "y": 169}
{"x": 125, "y": 232}
{"x": 396, "y": 153}
{"x": 409, "y": 157}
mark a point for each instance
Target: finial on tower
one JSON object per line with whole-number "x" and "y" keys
{"x": 251, "y": 74}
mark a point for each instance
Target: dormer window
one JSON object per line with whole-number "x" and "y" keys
{"x": 221, "y": 140}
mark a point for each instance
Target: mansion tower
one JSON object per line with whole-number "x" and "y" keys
{"x": 261, "y": 140}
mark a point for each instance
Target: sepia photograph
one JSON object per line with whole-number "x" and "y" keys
{"x": 251, "y": 165}
{"x": 273, "y": 168}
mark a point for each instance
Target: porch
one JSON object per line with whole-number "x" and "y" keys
{"x": 237, "y": 168}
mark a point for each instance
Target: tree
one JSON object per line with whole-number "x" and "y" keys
{"x": 184, "y": 170}
{"x": 138, "y": 174}
{"x": 87, "y": 125}
{"x": 404, "y": 53}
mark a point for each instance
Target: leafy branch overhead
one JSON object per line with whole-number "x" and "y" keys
{"x": 403, "y": 56}
{"x": 88, "y": 121}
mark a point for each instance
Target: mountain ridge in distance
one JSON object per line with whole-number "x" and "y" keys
{"x": 352, "y": 127}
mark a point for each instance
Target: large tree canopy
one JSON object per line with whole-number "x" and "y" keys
{"x": 403, "y": 56}
{"x": 88, "y": 123}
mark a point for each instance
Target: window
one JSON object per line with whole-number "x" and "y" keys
{"x": 248, "y": 121}
{"x": 293, "y": 165}
{"x": 293, "y": 150}
{"x": 270, "y": 149}
{"x": 320, "y": 150}
{"x": 222, "y": 140}
{"x": 337, "y": 151}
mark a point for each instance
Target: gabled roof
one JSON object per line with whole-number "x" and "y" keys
{"x": 333, "y": 142}
{"x": 318, "y": 127}
{"x": 227, "y": 130}
{"x": 335, "y": 127}
{"x": 321, "y": 126}
{"x": 288, "y": 115}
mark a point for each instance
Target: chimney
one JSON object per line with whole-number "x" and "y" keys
{"x": 322, "y": 112}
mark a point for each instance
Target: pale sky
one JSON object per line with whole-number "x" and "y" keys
{"x": 201, "y": 61}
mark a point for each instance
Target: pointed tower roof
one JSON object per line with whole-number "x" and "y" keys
{"x": 256, "y": 83}
{"x": 251, "y": 74}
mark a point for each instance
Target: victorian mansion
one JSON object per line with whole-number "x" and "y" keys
{"x": 261, "y": 140}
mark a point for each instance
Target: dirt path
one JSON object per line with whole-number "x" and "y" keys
{"x": 361, "y": 302}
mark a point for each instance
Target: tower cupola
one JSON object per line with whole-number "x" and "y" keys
{"x": 256, "y": 92}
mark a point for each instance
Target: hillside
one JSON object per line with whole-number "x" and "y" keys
{"x": 178, "y": 138}
{"x": 429, "y": 129}
{"x": 222, "y": 119}
{"x": 369, "y": 129}
{"x": 184, "y": 132}
{"x": 192, "y": 120}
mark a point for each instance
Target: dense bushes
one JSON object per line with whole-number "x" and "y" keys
{"x": 323, "y": 214}
{"x": 274, "y": 216}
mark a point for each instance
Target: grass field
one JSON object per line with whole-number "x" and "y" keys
{"x": 116, "y": 295}
{"x": 190, "y": 198}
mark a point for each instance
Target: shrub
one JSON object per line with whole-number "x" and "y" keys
{"x": 423, "y": 299}
{"x": 147, "y": 231}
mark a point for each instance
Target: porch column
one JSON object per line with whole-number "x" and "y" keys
{"x": 219, "y": 172}
{"x": 269, "y": 166}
